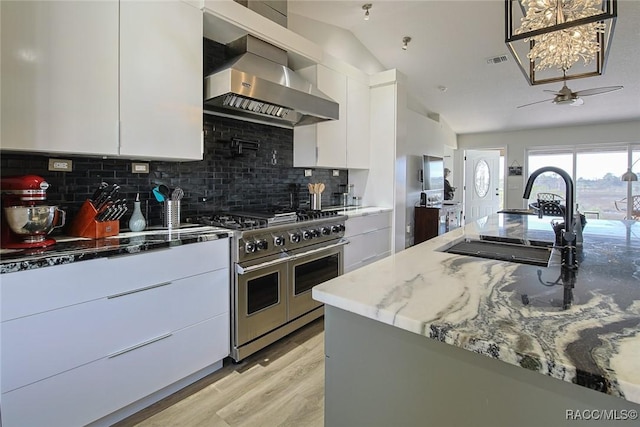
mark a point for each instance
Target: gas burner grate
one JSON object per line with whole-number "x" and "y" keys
{"x": 233, "y": 222}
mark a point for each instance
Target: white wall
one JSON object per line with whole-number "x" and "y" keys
{"x": 337, "y": 41}
{"x": 423, "y": 136}
{"x": 516, "y": 143}
{"x": 400, "y": 133}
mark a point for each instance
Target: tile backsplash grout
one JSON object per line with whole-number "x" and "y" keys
{"x": 221, "y": 181}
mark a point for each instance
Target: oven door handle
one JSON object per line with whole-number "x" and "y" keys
{"x": 286, "y": 257}
{"x": 244, "y": 270}
{"x": 339, "y": 243}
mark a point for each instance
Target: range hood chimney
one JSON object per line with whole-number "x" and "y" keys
{"x": 257, "y": 84}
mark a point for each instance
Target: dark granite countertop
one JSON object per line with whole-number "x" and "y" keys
{"x": 514, "y": 312}
{"x": 75, "y": 249}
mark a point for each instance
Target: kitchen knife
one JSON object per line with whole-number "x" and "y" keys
{"x": 103, "y": 212}
{"x": 102, "y": 195}
{"x": 118, "y": 211}
{"x": 96, "y": 195}
{"x": 112, "y": 193}
{"x": 122, "y": 211}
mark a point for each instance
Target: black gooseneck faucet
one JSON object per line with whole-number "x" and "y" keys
{"x": 568, "y": 234}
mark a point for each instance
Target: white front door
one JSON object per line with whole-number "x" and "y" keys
{"x": 481, "y": 181}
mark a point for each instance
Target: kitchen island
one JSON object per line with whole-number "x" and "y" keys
{"x": 426, "y": 337}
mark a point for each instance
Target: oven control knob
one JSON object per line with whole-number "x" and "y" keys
{"x": 325, "y": 231}
{"x": 262, "y": 245}
{"x": 306, "y": 234}
{"x": 295, "y": 238}
{"x": 278, "y": 241}
{"x": 337, "y": 228}
{"x": 315, "y": 232}
{"x": 250, "y": 247}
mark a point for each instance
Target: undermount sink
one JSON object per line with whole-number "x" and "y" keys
{"x": 505, "y": 249}
{"x": 518, "y": 211}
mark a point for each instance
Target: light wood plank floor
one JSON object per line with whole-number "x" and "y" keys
{"x": 281, "y": 385}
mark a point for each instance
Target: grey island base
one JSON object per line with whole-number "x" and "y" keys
{"x": 381, "y": 375}
{"x": 427, "y": 337}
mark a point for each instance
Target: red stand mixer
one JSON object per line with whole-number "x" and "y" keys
{"x": 26, "y": 220}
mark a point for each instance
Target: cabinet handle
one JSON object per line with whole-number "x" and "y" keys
{"x": 137, "y": 346}
{"x": 134, "y": 291}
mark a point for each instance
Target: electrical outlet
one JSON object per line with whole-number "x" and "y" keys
{"x": 336, "y": 172}
{"x": 409, "y": 229}
{"x": 139, "y": 167}
{"x": 60, "y": 165}
{"x": 307, "y": 172}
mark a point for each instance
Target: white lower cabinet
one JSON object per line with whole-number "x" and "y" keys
{"x": 369, "y": 240}
{"x": 82, "y": 395}
{"x": 91, "y": 356}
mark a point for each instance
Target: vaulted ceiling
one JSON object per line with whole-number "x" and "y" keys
{"x": 451, "y": 42}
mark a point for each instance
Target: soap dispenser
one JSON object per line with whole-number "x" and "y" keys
{"x": 137, "y": 221}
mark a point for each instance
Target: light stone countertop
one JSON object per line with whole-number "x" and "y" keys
{"x": 513, "y": 312}
{"x": 354, "y": 211}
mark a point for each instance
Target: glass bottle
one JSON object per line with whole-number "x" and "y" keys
{"x": 137, "y": 221}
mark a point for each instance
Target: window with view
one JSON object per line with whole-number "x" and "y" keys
{"x": 600, "y": 193}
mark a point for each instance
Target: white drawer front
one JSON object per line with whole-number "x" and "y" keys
{"x": 366, "y": 248}
{"x": 36, "y": 347}
{"x": 87, "y": 393}
{"x": 35, "y": 291}
{"x": 363, "y": 224}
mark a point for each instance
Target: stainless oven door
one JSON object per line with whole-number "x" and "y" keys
{"x": 309, "y": 269}
{"x": 261, "y": 302}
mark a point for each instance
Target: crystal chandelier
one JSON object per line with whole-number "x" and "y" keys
{"x": 563, "y": 48}
{"x": 560, "y": 34}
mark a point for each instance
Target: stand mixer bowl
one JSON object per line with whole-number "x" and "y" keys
{"x": 33, "y": 223}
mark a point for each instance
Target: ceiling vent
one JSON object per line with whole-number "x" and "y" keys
{"x": 497, "y": 59}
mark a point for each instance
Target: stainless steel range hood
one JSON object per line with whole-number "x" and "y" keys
{"x": 256, "y": 84}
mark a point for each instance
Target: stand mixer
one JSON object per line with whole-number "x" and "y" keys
{"x": 26, "y": 220}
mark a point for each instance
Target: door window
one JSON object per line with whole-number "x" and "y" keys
{"x": 482, "y": 178}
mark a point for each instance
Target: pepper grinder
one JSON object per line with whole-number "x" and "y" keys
{"x": 137, "y": 221}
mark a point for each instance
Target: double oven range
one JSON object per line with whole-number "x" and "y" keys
{"x": 276, "y": 259}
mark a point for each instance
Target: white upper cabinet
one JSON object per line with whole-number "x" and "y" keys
{"x": 358, "y": 124}
{"x": 323, "y": 144}
{"x": 342, "y": 143}
{"x": 160, "y": 80}
{"x": 60, "y": 77}
{"x": 102, "y": 78}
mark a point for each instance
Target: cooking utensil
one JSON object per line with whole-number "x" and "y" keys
{"x": 158, "y": 195}
{"x": 311, "y": 188}
{"x": 177, "y": 194}
{"x": 164, "y": 190}
{"x": 321, "y": 187}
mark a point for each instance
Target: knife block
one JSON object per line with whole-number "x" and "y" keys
{"x": 85, "y": 224}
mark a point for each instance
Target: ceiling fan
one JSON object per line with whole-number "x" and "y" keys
{"x": 566, "y": 96}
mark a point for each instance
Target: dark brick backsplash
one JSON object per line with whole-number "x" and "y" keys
{"x": 221, "y": 181}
